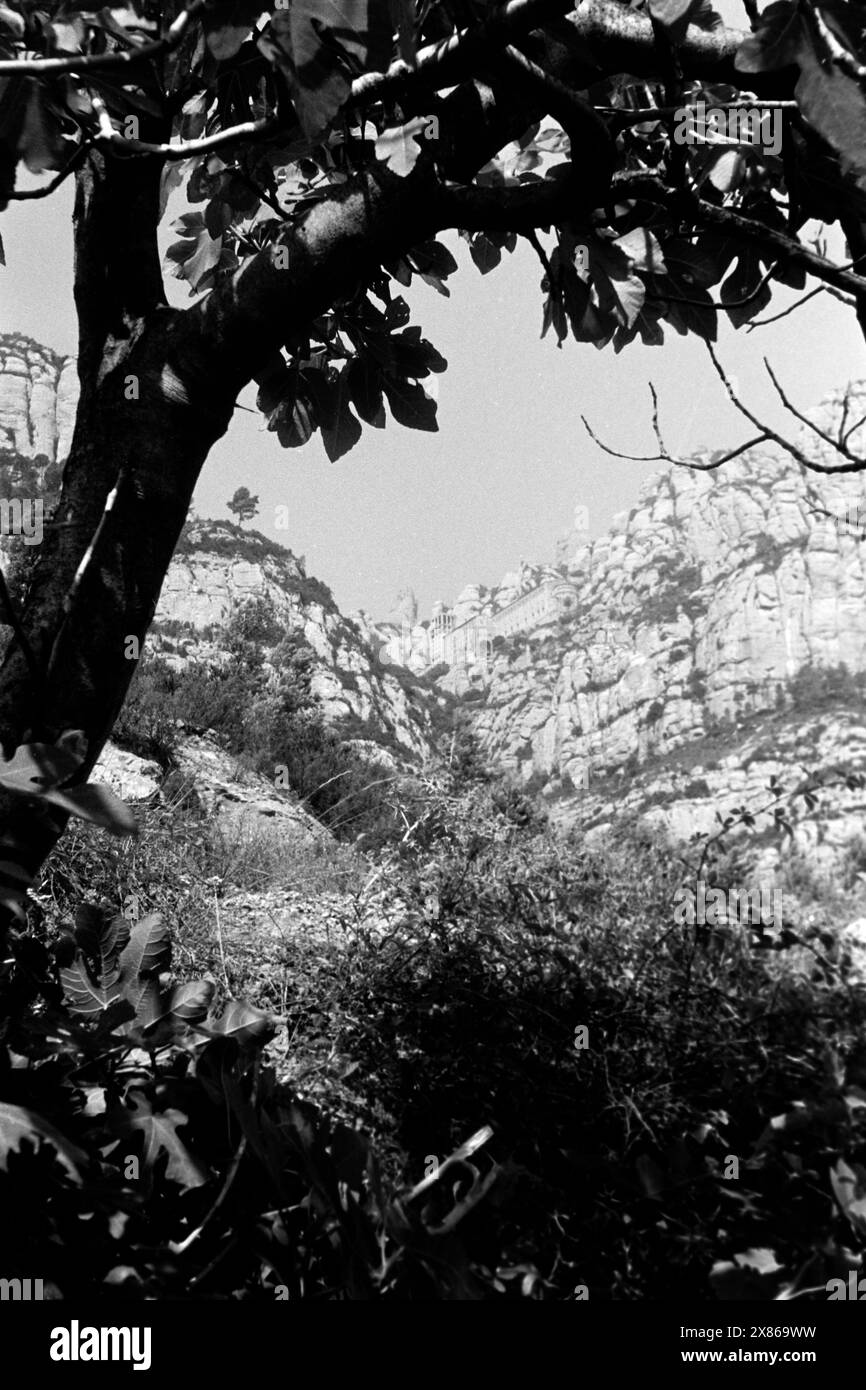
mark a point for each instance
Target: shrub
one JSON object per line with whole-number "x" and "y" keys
{"x": 502, "y": 941}
{"x": 813, "y": 687}
{"x": 696, "y": 686}
{"x": 594, "y": 684}
{"x": 675, "y": 594}
{"x": 148, "y": 722}
{"x": 697, "y": 787}
{"x": 769, "y": 553}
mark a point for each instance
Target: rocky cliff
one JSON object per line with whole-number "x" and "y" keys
{"x": 218, "y": 567}
{"x": 718, "y": 638}
{"x": 38, "y": 395}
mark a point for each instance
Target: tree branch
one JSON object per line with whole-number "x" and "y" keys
{"x": 840, "y": 443}
{"x": 460, "y": 57}
{"x": 327, "y": 253}
{"x": 106, "y": 62}
{"x": 60, "y": 177}
{"x": 185, "y": 149}
{"x": 842, "y": 56}
{"x": 642, "y": 186}
{"x": 819, "y": 289}
{"x": 601, "y": 37}
{"x": 538, "y": 204}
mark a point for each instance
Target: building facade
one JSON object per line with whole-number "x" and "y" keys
{"x": 445, "y": 641}
{"x": 470, "y": 643}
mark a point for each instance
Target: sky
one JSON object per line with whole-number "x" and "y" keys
{"x": 500, "y": 480}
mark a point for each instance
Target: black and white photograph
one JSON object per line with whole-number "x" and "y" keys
{"x": 432, "y": 672}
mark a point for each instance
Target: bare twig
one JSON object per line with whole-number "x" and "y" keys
{"x": 819, "y": 289}
{"x": 848, "y": 433}
{"x": 766, "y": 435}
{"x": 840, "y": 443}
{"x": 664, "y": 456}
{"x": 804, "y": 419}
{"x": 852, "y": 464}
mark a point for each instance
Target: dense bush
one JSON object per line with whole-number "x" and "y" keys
{"x": 814, "y": 687}
{"x": 501, "y": 941}
{"x": 148, "y": 722}
{"x": 484, "y": 977}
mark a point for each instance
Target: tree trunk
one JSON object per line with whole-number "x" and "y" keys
{"x": 149, "y": 411}
{"x": 158, "y": 387}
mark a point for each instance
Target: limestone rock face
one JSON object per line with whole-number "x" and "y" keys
{"x": 216, "y": 571}
{"x": 694, "y": 654}
{"x": 38, "y": 395}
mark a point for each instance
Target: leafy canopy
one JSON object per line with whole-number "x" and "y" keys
{"x": 261, "y": 114}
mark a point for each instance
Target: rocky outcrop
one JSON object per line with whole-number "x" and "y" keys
{"x": 239, "y": 802}
{"x": 38, "y": 395}
{"x": 218, "y": 568}
{"x": 131, "y": 778}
